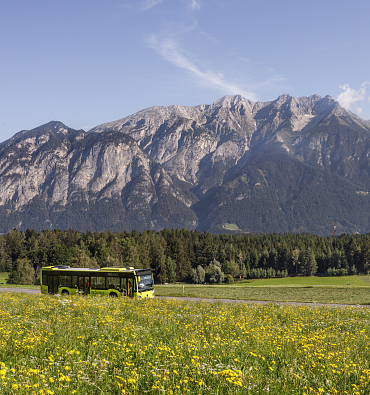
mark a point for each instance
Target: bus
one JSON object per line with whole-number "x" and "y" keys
{"x": 112, "y": 281}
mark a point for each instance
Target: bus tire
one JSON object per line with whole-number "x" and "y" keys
{"x": 113, "y": 295}
{"x": 65, "y": 292}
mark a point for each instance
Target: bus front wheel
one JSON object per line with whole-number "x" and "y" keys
{"x": 113, "y": 295}
{"x": 65, "y": 292}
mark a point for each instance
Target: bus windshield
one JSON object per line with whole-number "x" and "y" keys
{"x": 145, "y": 283}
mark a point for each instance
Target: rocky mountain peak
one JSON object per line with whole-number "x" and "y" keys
{"x": 230, "y": 161}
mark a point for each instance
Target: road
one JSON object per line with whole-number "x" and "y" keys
{"x": 23, "y": 290}
{"x": 37, "y": 291}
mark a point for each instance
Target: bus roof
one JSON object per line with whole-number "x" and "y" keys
{"x": 93, "y": 269}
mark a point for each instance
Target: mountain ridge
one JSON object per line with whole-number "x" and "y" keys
{"x": 173, "y": 166}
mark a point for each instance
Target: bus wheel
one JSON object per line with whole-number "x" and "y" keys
{"x": 65, "y": 292}
{"x": 113, "y": 295}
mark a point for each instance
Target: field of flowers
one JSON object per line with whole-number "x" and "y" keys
{"x": 99, "y": 345}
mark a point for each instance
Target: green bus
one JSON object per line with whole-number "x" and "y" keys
{"x": 112, "y": 281}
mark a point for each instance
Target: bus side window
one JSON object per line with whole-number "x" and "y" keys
{"x": 65, "y": 281}
{"x": 44, "y": 279}
{"x": 81, "y": 283}
{"x": 74, "y": 282}
{"x": 97, "y": 282}
{"x": 113, "y": 282}
{"x": 93, "y": 282}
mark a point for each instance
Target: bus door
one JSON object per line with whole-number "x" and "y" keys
{"x": 124, "y": 286}
{"x": 53, "y": 283}
{"x": 127, "y": 286}
{"x": 83, "y": 285}
{"x": 130, "y": 286}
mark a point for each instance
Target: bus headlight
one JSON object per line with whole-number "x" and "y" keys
{"x": 138, "y": 296}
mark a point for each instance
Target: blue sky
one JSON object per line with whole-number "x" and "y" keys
{"x": 86, "y": 62}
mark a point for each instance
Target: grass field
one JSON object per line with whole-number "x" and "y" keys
{"x": 344, "y": 295}
{"x": 307, "y": 281}
{"x": 231, "y": 226}
{"x": 4, "y": 277}
{"x": 290, "y": 289}
{"x": 84, "y": 345}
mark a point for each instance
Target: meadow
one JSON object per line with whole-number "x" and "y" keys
{"x": 4, "y": 276}
{"x": 289, "y": 289}
{"x": 98, "y": 345}
{"x": 302, "y": 294}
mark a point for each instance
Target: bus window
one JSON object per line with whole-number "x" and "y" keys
{"x": 87, "y": 285}
{"x": 65, "y": 281}
{"x": 44, "y": 279}
{"x": 97, "y": 282}
{"x": 81, "y": 285}
{"x": 74, "y": 282}
{"x": 113, "y": 282}
{"x": 53, "y": 284}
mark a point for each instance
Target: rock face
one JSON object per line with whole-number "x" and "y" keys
{"x": 286, "y": 165}
{"x": 75, "y": 179}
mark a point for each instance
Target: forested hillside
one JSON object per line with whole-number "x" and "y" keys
{"x": 184, "y": 255}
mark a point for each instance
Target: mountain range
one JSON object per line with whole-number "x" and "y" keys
{"x": 289, "y": 165}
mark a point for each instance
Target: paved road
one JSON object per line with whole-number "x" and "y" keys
{"x": 37, "y": 291}
{"x": 23, "y": 290}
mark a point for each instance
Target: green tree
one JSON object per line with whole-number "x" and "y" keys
{"x": 82, "y": 259}
{"x": 158, "y": 258}
{"x": 58, "y": 255}
{"x": 194, "y": 276}
{"x": 201, "y": 274}
{"x": 171, "y": 269}
{"x": 23, "y": 273}
{"x": 231, "y": 267}
{"x": 308, "y": 263}
{"x": 214, "y": 273}
{"x": 183, "y": 265}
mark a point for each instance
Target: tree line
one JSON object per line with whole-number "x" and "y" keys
{"x": 185, "y": 255}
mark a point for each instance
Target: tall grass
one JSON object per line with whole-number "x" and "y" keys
{"x": 98, "y": 345}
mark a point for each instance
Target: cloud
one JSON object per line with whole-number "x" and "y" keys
{"x": 349, "y": 97}
{"x": 193, "y": 4}
{"x": 147, "y": 4}
{"x": 171, "y": 52}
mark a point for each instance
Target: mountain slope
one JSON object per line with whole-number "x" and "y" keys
{"x": 68, "y": 178}
{"x": 292, "y": 164}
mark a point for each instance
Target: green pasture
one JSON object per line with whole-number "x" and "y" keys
{"x": 231, "y": 226}
{"x": 307, "y": 281}
{"x": 310, "y": 294}
{"x": 4, "y": 277}
{"x": 290, "y": 289}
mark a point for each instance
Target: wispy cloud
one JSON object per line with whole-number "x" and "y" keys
{"x": 147, "y": 4}
{"x": 171, "y": 52}
{"x": 193, "y": 4}
{"x": 349, "y": 97}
